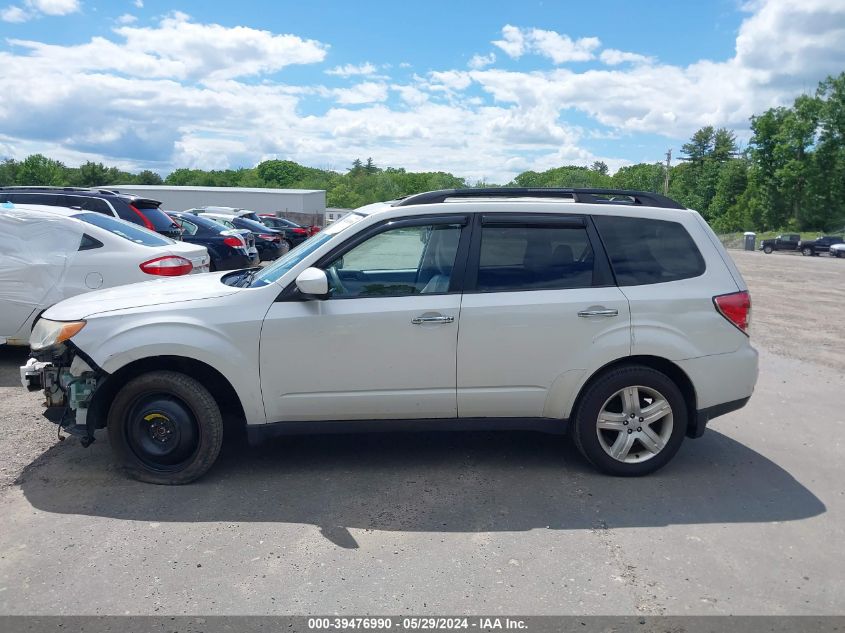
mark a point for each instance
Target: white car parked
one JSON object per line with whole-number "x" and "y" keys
{"x": 51, "y": 253}
{"x": 837, "y": 250}
{"x": 617, "y": 315}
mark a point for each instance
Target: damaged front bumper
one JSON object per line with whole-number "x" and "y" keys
{"x": 69, "y": 383}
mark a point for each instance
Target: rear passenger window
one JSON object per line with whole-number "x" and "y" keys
{"x": 534, "y": 258}
{"x": 644, "y": 251}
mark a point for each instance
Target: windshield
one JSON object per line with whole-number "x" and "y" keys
{"x": 286, "y": 262}
{"x": 126, "y": 230}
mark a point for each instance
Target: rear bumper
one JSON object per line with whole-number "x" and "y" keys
{"x": 233, "y": 262}
{"x": 722, "y": 382}
{"x": 703, "y": 416}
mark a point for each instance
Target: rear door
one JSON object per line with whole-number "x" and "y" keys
{"x": 540, "y": 307}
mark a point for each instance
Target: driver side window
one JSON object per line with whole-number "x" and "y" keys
{"x": 398, "y": 262}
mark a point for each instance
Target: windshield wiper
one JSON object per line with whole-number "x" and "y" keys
{"x": 246, "y": 280}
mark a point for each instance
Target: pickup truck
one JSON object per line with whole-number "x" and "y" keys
{"x": 819, "y": 245}
{"x": 788, "y": 242}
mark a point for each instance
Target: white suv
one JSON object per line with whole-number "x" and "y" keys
{"x": 616, "y": 315}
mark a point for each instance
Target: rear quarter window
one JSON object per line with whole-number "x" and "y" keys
{"x": 646, "y": 251}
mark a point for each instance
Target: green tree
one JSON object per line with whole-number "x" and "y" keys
{"x": 700, "y": 145}
{"x": 37, "y": 169}
{"x": 600, "y": 167}
{"x": 8, "y": 172}
{"x": 640, "y": 177}
{"x": 280, "y": 173}
{"x": 89, "y": 174}
{"x": 147, "y": 177}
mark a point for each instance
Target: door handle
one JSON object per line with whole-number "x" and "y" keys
{"x": 432, "y": 319}
{"x": 598, "y": 312}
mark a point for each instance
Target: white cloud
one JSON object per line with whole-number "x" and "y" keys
{"x": 449, "y": 80}
{"x": 139, "y": 4}
{"x": 512, "y": 42}
{"x": 477, "y": 62}
{"x": 14, "y": 14}
{"x": 411, "y": 94}
{"x": 179, "y": 49}
{"x": 613, "y": 57}
{"x": 559, "y": 48}
{"x": 54, "y": 7}
{"x": 348, "y": 70}
{"x": 365, "y": 92}
{"x": 126, "y": 18}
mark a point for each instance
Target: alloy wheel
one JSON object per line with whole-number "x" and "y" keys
{"x": 635, "y": 424}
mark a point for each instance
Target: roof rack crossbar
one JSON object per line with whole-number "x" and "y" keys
{"x": 590, "y": 196}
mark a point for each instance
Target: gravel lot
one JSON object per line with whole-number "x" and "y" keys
{"x": 749, "y": 519}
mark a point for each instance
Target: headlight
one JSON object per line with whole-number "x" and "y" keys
{"x": 47, "y": 333}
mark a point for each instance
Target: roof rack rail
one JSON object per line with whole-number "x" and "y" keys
{"x": 43, "y": 188}
{"x": 590, "y": 196}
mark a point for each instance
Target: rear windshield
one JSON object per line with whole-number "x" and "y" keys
{"x": 644, "y": 251}
{"x": 274, "y": 221}
{"x": 206, "y": 223}
{"x": 158, "y": 218}
{"x": 127, "y": 231}
{"x": 255, "y": 227}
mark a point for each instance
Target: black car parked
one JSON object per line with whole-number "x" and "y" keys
{"x": 268, "y": 241}
{"x": 227, "y": 248}
{"x": 294, "y": 234}
{"x": 819, "y": 245}
{"x": 786, "y": 242}
{"x": 142, "y": 211}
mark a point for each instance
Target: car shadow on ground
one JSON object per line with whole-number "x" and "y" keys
{"x": 439, "y": 482}
{"x": 11, "y": 358}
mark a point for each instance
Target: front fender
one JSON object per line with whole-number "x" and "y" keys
{"x": 113, "y": 343}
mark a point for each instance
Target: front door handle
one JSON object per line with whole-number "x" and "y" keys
{"x": 598, "y": 312}
{"x": 432, "y": 319}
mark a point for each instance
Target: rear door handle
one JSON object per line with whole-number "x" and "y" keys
{"x": 598, "y": 312}
{"x": 432, "y": 319}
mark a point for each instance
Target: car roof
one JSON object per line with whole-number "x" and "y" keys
{"x": 80, "y": 191}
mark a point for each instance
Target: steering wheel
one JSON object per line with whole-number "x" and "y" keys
{"x": 334, "y": 281}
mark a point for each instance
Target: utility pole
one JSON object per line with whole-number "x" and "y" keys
{"x": 666, "y": 177}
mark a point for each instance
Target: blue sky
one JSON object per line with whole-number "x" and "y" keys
{"x": 481, "y": 89}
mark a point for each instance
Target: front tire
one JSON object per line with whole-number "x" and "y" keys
{"x": 806, "y": 252}
{"x": 165, "y": 428}
{"x": 768, "y": 250}
{"x": 630, "y": 421}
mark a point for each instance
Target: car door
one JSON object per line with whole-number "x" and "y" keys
{"x": 383, "y": 345}
{"x": 540, "y": 308}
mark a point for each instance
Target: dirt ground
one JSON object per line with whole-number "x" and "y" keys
{"x": 798, "y": 305}
{"x": 749, "y": 519}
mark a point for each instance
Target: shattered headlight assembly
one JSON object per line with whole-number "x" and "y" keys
{"x": 47, "y": 333}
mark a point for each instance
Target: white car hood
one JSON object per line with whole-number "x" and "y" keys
{"x": 140, "y": 295}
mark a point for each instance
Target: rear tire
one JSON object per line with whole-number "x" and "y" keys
{"x": 165, "y": 428}
{"x": 603, "y": 424}
{"x": 286, "y": 246}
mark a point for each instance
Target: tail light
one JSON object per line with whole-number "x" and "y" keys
{"x": 234, "y": 242}
{"x": 736, "y": 308}
{"x": 144, "y": 218}
{"x": 298, "y": 231}
{"x": 168, "y": 266}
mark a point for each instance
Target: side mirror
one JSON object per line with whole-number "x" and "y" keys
{"x": 313, "y": 283}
